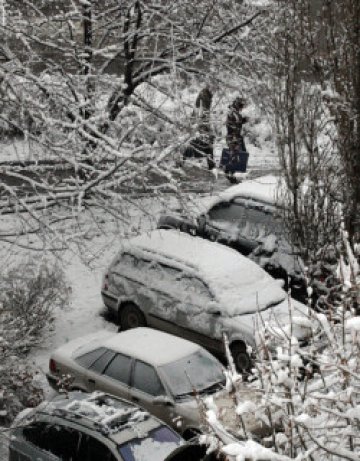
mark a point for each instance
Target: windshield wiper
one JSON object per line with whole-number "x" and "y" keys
{"x": 212, "y": 388}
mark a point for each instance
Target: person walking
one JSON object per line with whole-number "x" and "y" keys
{"x": 204, "y": 144}
{"x": 234, "y": 123}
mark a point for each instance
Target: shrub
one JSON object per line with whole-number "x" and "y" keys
{"x": 29, "y": 295}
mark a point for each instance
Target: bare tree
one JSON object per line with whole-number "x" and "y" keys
{"x": 83, "y": 84}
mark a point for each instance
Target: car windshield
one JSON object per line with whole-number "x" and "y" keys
{"x": 252, "y": 219}
{"x": 156, "y": 446}
{"x": 183, "y": 376}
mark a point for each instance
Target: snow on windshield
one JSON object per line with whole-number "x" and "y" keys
{"x": 160, "y": 443}
{"x": 183, "y": 375}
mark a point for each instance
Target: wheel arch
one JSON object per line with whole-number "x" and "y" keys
{"x": 191, "y": 432}
{"x": 127, "y": 302}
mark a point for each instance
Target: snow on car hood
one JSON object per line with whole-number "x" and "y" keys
{"x": 281, "y": 321}
{"x": 241, "y": 294}
{"x": 267, "y": 189}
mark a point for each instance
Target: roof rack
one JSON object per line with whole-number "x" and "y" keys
{"x": 100, "y": 409}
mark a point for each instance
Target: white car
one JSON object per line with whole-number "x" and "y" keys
{"x": 249, "y": 218}
{"x": 198, "y": 290}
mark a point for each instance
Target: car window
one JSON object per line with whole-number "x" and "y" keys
{"x": 86, "y": 360}
{"x": 183, "y": 375}
{"x": 193, "y": 285}
{"x": 99, "y": 365}
{"x": 127, "y": 260}
{"x": 170, "y": 273}
{"x": 146, "y": 379}
{"x": 16, "y": 456}
{"x": 119, "y": 368}
{"x": 160, "y": 275}
{"x": 265, "y": 221}
{"x": 60, "y": 441}
{"x": 226, "y": 211}
{"x": 91, "y": 449}
{"x": 254, "y": 221}
{"x": 152, "y": 269}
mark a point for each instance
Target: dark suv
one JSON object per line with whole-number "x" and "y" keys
{"x": 95, "y": 427}
{"x": 247, "y": 217}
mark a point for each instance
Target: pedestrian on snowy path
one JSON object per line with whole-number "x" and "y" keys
{"x": 234, "y": 123}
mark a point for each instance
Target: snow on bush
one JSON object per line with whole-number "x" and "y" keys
{"x": 29, "y": 294}
{"x": 309, "y": 393}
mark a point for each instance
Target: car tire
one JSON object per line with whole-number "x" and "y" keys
{"x": 242, "y": 359}
{"x": 130, "y": 316}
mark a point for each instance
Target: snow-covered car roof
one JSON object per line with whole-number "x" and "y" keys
{"x": 152, "y": 346}
{"x": 266, "y": 189}
{"x": 114, "y": 417}
{"x": 238, "y": 283}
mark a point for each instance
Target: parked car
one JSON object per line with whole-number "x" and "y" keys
{"x": 95, "y": 427}
{"x": 197, "y": 290}
{"x": 157, "y": 371}
{"x": 153, "y": 369}
{"x": 248, "y": 218}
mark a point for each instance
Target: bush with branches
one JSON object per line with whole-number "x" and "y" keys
{"x": 308, "y": 397}
{"x": 29, "y": 294}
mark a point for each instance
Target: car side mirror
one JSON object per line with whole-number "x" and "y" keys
{"x": 163, "y": 400}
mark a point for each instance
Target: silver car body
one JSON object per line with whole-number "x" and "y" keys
{"x": 197, "y": 290}
{"x": 152, "y": 348}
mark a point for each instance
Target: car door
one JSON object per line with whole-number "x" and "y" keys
{"x": 146, "y": 385}
{"x": 163, "y": 315}
{"x": 114, "y": 377}
{"x": 197, "y": 315}
{"x": 29, "y": 444}
{"x": 93, "y": 449}
{"x": 49, "y": 441}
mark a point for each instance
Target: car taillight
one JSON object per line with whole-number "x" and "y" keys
{"x": 52, "y": 366}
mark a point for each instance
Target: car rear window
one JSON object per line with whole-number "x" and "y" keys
{"x": 156, "y": 446}
{"x": 100, "y": 364}
{"x": 86, "y": 360}
{"x": 259, "y": 220}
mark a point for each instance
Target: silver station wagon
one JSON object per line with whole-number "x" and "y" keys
{"x": 198, "y": 290}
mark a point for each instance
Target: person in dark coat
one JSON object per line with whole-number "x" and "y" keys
{"x": 203, "y": 144}
{"x": 234, "y": 124}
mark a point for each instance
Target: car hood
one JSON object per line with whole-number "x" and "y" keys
{"x": 250, "y": 299}
{"x": 280, "y": 320}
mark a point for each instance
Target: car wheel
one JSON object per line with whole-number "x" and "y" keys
{"x": 131, "y": 317}
{"x": 241, "y": 358}
{"x": 191, "y": 433}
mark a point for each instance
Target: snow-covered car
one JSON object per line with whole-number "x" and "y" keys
{"x": 91, "y": 427}
{"x": 247, "y": 217}
{"x": 197, "y": 290}
{"x": 156, "y": 370}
